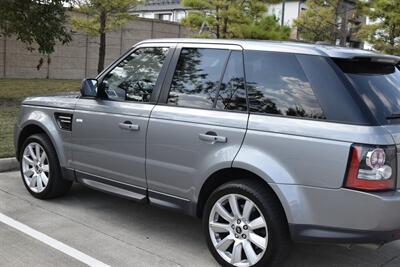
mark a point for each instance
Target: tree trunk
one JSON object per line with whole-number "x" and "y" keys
{"x": 343, "y": 24}
{"x": 392, "y": 41}
{"x": 218, "y": 22}
{"x": 334, "y": 23}
{"x": 225, "y": 23}
{"x": 102, "y": 47}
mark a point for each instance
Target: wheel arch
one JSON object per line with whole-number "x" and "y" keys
{"x": 34, "y": 127}
{"x": 226, "y": 175}
{"x": 27, "y": 131}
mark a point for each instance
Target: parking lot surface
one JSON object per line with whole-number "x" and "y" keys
{"x": 119, "y": 232}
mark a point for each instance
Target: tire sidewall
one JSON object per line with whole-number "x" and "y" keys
{"x": 51, "y": 157}
{"x": 268, "y": 257}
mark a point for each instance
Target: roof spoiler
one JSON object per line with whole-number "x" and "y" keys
{"x": 384, "y": 59}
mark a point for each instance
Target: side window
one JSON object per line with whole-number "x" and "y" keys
{"x": 232, "y": 92}
{"x": 197, "y": 76}
{"x": 134, "y": 78}
{"x": 277, "y": 84}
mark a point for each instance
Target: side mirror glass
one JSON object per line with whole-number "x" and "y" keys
{"x": 89, "y": 88}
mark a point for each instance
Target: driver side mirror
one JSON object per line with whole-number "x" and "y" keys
{"x": 89, "y": 88}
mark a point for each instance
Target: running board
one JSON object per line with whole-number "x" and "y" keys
{"x": 116, "y": 188}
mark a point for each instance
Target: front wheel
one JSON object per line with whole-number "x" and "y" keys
{"x": 40, "y": 168}
{"x": 245, "y": 225}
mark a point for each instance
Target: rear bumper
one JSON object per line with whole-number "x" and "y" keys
{"x": 319, "y": 234}
{"x": 340, "y": 215}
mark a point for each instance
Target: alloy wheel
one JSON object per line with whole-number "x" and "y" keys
{"x": 35, "y": 167}
{"x": 238, "y": 230}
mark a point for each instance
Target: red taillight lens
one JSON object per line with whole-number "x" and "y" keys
{"x": 371, "y": 168}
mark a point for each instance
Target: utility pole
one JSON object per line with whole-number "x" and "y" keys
{"x": 283, "y": 12}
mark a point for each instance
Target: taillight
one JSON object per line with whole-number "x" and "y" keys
{"x": 371, "y": 168}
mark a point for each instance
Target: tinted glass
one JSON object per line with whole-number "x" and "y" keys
{"x": 331, "y": 90}
{"x": 378, "y": 85}
{"x": 277, "y": 84}
{"x": 135, "y": 77}
{"x": 232, "y": 93}
{"x": 196, "y": 78}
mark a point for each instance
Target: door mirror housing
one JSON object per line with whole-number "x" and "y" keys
{"x": 89, "y": 88}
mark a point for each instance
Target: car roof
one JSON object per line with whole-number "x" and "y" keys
{"x": 287, "y": 47}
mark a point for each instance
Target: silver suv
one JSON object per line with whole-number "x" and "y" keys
{"x": 267, "y": 142}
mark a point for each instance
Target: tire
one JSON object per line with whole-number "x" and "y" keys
{"x": 55, "y": 185}
{"x": 275, "y": 242}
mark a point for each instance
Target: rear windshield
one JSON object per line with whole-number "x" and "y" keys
{"x": 378, "y": 84}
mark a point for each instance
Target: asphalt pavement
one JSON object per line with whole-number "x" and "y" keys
{"x": 120, "y": 232}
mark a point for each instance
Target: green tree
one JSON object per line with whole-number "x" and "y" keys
{"x": 233, "y": 19}
{"x": 327, "y": 21}
{"x": 320, "y": 21}
{"x": 99, "y": 17}
{"x": 41, "y": 22}
{"x": 384, "y": 30}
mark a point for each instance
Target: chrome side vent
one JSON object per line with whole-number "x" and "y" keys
{"x": 64, "y": 121}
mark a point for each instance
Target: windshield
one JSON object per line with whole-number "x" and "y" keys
{"x": 378, "y": 85}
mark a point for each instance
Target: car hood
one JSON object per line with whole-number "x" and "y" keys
{"x": 65, "y": 100}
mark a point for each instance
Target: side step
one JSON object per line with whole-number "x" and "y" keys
{"x": 116, "y": 188}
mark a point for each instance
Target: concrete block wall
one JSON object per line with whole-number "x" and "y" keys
{"x": 2, "y": 62}
{"x": 79, "y": 58}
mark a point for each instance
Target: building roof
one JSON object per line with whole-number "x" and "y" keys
{"x": 159, "y": 5}
{"x": 288, "y": 47}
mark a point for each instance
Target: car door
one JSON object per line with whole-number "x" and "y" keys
{"x": 109, "y": 131}
{"x": 199, "y": 123}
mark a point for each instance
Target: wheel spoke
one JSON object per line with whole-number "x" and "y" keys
{"x": 236, "y": 253}
{"x": 234, "y": 206}
{"x": 257, "y": 240}
{"x": 37, "y": 150}
{"x": 225, "y": 243}
{"x": 44, "y": 178}
{"x": 257, "y": 223}
{"x": 249, "y": 251}
{"x": 248, "y": 207}
{"x": 223, "y": 212}
{"x": 33, "y": 181}
{"x": 45, "y": 168}
{"x": 31, "y": 153}
{"x": 39, "y": 184}
{"x": 28, "y": 160}
{"x": 219, "y": 227}
{"x": 29, "y": 172}
{"x": 42, "y": 157}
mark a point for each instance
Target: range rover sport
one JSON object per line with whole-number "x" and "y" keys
{"x": 267, "y": 142}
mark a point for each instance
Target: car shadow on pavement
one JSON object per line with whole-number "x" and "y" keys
{"x": 167, "y": 231}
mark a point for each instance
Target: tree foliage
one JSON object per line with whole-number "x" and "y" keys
{"x": 233, "y": 19}
{"x": 40, "y": 22}
{"x": 99, "y": 17}
{"x": 320, "y": 21}
{"x": 384, "y": 30}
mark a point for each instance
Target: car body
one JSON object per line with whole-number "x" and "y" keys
{"x": 173, "y": 147}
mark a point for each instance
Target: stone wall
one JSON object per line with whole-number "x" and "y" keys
{"x": 79, "y": 58}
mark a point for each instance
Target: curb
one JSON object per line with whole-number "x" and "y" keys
{"x": 8, "y": 164}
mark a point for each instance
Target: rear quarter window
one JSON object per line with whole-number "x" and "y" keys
{"x": 277, "y": 85}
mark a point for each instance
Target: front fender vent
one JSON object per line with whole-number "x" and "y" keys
{"x": 64, "y": 121}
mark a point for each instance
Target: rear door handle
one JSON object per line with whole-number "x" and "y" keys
{"x": 213, "y": 138}
{"x": 127, "y": 125}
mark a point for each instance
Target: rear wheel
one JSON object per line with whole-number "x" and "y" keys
{"x": 40, "y": 168}
{"x": 245, "y": 226}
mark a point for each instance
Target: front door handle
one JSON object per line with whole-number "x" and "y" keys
{"x": 127, "y": 125}
{"x": 213, "y": 138}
